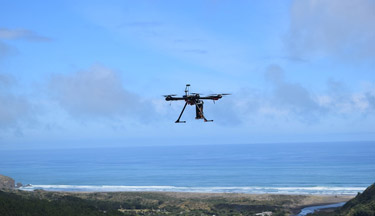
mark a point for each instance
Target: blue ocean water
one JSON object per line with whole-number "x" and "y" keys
{"x": 298, "y": 168}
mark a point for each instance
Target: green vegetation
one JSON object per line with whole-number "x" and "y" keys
{"x": 15, "y": 202}
{"x": 39, "y": 202}
{"x": 362, "y": 205}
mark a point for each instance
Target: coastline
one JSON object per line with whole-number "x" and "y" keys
{"x": 170, "y": 200}
{"x": 312, "y": 190}
{"x": 188, "y": 202}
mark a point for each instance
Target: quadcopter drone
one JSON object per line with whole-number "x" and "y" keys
{"x": 194, "y": 99}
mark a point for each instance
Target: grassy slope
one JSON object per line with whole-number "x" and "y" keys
{"x": 362, "y": 205}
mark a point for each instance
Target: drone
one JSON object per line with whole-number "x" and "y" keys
{"x": 194, "y": 99}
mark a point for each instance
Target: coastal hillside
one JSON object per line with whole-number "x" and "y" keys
{"x": 362, "y": 205}
{"x": 18, "y": 203}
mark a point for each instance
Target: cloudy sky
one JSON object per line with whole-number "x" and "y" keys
{"x": 92, "y": 73}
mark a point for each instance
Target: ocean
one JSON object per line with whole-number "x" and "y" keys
{"x": 296, "y": 168}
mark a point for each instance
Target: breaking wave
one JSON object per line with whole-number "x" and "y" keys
{"x": 317, "y": 190}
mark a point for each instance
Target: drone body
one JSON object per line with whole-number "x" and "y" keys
{"x": 193, "y": 99}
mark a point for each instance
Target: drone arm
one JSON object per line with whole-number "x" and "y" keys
{"x": 210, "y": 98}
{"x": 174, "y": 98}
{"x": 183, "y": 109}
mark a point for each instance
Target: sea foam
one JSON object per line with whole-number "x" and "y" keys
{"x": 318, "y": 190}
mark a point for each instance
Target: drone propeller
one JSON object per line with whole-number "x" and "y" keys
{"x": 223, "y": 94}
{"x": 169, "y": 95}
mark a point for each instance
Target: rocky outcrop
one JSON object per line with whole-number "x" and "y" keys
{"x": 6, "y": 182}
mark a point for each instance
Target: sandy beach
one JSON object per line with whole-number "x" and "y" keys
{"x": 185, "y": 203}
{"x": 291, "y": 204}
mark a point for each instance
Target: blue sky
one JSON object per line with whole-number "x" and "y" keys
{"x": 91, "y": 73}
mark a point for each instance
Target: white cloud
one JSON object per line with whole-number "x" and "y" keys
{"x": 291, "y": 97}
{"x": 292, "y": 102}
{"x": 4, "y": 50}
{"x": 96, "y": 93}
{"x": 14, "y": 109}
{"x": 342, "y": 28}
{"x": 17, "y": 34}
{"x": 13, "y": 34}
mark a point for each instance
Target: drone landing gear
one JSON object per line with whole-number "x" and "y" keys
{"x": 178, "y": 120}
{"x": 199, "y": 113}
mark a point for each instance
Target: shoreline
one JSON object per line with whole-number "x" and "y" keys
{"x": 313, "y": 190}
{"x": 173, "y": 200}
{"x": 192, "y": 194}
{"x": 198, "y": 201}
